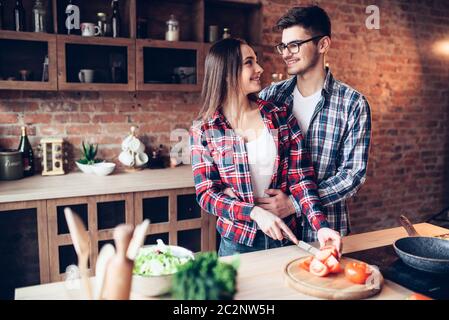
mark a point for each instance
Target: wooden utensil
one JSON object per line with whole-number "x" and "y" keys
{"x": 118, "y": 277}
{"x": 333, "y": 286}
{"x": 137, "y": 239}
{"x": 105, "y": 255}
{"x": 81, "y": 242}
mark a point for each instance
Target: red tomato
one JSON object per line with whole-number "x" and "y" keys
{"x": 357, "y": 272}
{"x": 418, "y": 296}
{"x": 323, "y": 254}
{"x": 333, "y": 265}
{"x": 305, "y": 264}
{"x": 318, "y": 268}
{"x": 333, "y": 250}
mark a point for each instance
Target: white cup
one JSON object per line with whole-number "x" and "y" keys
{"x": 136, "y": 146}
{"x": 86, "y": 75}
{"x": 141, "y": 159}
{"x": 126, "y": 158}
{"x": 90, "y": 30}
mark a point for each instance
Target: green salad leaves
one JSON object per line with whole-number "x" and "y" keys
{"x": 154, "y": 262}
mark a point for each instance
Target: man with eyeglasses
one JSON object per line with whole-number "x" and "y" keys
{"x": 333, "y": 117}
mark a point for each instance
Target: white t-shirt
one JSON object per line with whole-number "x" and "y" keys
{"x": 303, "y": 108}
{"x": 262, "y": 154}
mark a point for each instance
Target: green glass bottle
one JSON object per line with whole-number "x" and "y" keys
{"x": 27, "y": 154}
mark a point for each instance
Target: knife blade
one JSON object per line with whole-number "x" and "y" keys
{"x": 303, "y": 245}
{"x": 307, "y": 247}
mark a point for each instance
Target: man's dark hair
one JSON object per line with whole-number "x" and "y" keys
{"x": 312, "y": 18}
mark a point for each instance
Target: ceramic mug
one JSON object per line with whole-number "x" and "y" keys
{"x": 89, "y": 29}
{"x": 136, "y": 146}
{"x": 86, "y": 75}
{"x": 141, "y": 159}
{"x": 126, "y": 158}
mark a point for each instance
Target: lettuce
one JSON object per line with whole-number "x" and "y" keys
{"x": 152, "y": 261}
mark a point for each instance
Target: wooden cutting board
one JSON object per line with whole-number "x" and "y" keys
{"x": 333, "y": 286}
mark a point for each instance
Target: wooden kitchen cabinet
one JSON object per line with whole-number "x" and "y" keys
{"x": 148, "y": 61}
{"x": 36, "y": 246}
{"x": 23, "y": 246}
{"x": 98, "y": 54}
{"x": 100, "y": 215}
{"x": 174, "y": 219}
{"x": 27, "y": 51}
{"x": 157, "y": 60}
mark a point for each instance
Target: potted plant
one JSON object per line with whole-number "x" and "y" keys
{"x": 89, "y": 163}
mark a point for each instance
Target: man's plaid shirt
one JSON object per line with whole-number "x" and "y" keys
{"x": 219, "y": 161}
{"x": 338, "y": 141}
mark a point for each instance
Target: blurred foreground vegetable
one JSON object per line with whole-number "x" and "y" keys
{"x": 205, "y": 278}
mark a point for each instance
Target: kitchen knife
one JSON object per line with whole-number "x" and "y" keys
{"x": 307, "y": 247}
{"x": 303, "y": 245}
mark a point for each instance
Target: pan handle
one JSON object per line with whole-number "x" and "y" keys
{"x": 408, "y": 226}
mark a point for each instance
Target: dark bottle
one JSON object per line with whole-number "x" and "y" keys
{"x": 19, "y": 16}
{"x": 115, "y": 20}
{"x": 1, "y": 15}
{"x": 27, "y": 154}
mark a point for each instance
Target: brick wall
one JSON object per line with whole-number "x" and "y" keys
{"x": 405, "y": 81}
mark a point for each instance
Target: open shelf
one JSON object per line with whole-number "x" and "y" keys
{"x": 168, "y": 66}
{"x": 149, "y": 61}
{"x": 243, "y": 18}
{"x": 157, "y": 12}
{"x": 8, "y": 9}
{"x": 27, "y": 51}
{"x": 99, "y": 55}
{"x": 88, "y": 13}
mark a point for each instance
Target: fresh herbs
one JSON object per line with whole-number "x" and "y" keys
{"x": 205, "y": 278}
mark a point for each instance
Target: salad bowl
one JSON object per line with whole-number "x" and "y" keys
{"x": 154, "y": 267}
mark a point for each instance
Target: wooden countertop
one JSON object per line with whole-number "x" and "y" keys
{"x": 78, "y": 184}
{"x": 260, "y": 275}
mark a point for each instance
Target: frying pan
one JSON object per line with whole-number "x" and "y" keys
{"x": 423, "y": 253}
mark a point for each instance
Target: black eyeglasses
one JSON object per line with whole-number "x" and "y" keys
{"x": 294, "y": 46}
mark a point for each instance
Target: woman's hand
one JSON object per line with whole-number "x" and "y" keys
{"x": 271, "y": 225}
{"x": 328, "y": 235}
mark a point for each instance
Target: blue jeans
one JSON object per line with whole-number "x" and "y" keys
{"x": 261, "y": 242}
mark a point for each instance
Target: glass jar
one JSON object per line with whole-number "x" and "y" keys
{"x": 172, "y": 33}
{"x": 39, "y": 17}
{"x": 226, "y": 33}
{"x": 101, "y": 22}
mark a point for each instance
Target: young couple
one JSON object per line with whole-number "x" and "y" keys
{"x": 279, "y": 166}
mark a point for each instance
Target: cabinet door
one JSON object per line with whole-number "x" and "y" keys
{"x": 175, "y": 218}
{"x": 23, "y": 246}
{"x": 100, "y": 215}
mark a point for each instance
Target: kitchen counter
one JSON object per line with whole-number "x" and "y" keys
{"x": 78, "y": 184}
{"x": 260, "y": 275}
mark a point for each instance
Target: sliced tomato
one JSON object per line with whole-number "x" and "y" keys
{"x": 318, "y": 268}
{"x": 333, "y": 265}
{"x": 323, "y": 254}
{"x": 305, "y": 264}
{"x": 333, "y": 250}
{"x": 357, "y": 272}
